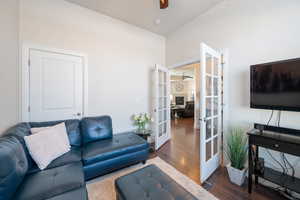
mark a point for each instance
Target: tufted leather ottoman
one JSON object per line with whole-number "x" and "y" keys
{"x": 150, "y": 183}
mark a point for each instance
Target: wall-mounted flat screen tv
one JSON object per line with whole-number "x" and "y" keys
{"x": 276, "y": 85}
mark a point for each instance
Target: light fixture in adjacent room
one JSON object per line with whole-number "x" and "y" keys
{"x": 164, "y": 4}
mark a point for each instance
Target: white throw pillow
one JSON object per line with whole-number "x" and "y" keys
{"x": 47, "y": 145}
{"x": 61, "y": 128}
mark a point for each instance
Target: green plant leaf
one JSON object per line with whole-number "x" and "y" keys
{"x": 236, "y": 149}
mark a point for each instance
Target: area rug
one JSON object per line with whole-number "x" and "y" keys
{"x": 103, "y": 188}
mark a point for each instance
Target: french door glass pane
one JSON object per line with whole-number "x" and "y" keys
{"x": 208, "y": 128}
{"x": 162, "y": 90}
{"x": 216, "y": 87}
{"x": 208, "y": 107}
{"x": 216, "y": 106}
{"x": 215, "y": 145}
{"x": 162, "y": 77}
{"x": 160, "y": 130}
{"x": 216, "y": 64}
{"x": 160, "y": 116}
{"x": 164, "y": 128}
{"x": 208, "y": 67}
{"x": 216, "y": 125}
{"x": 208, "y": 85}
{"x": 208, "y": 150}
{"x": 162, "y": 103}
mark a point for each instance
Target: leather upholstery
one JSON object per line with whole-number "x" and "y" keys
{"x": 119, "y": 145}
{"x": 93, "y": 146}
{"x": 96, "y": 128}
{"x": 79, "y": 193}
{"x": 106, "y": 166}
{"x": 13, "y": 166}
{"x": 19, "y": 131}
{"x": 48, "y": 183}
{"x": 188, "y": 111}
{"x": 74, "y": 155}
{"x": 150, "y": 183}
{"x": 73, "y": 129}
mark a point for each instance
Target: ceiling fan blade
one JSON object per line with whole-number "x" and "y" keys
{"x": 164, "y": 4}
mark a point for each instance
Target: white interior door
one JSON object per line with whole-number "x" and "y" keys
{"x": 162, "y": 126}
{"x": 210, "y": 111}
{"x": 55, "y": 86}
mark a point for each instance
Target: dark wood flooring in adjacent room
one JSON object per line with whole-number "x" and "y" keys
{"x": 182, "y": 152}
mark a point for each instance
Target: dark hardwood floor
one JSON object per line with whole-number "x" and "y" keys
{"x": 182, "y": 152}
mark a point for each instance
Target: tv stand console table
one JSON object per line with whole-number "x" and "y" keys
{"x": 285, "y": 142}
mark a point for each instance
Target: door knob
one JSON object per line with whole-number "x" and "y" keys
{"x": 78, "y": 114}
{"x": 203, "y": 119}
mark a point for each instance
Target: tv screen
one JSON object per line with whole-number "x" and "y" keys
{"x": 276, "y": 85}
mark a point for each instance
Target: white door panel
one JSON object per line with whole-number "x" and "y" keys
{"x": 210, "y": 112}
{"x": 56, "y": 86}
{"x": 162, "y": 125}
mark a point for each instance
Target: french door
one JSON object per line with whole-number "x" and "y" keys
{"x": 162, "y": 126}
{"x": 210, "y": 111}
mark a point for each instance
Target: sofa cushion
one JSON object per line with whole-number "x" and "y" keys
{"x": 13, "y": 166}
{"x": 96, "y": 128}
{"x": 48, "y": 145}
{"x": 106, "y": 166}
{"x": 57, "y": 128}
{"x": 73, "y": 129}
{"x": 52, "y": 182}
{"x": 74, "y": 155}
{"x": 78, "y": 194}
{"x": 119, "y": 145}
{"x": 19, "y": 131}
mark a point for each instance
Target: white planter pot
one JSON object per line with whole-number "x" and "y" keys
{"x": 236, "y": 176}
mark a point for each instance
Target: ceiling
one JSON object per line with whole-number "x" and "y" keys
{"x": 188, "y": 70}
{"x": 146, "y": 13}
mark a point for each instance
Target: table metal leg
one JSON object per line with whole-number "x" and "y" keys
{"x": 250, "y": 163}
{"x": 256, "y": 161}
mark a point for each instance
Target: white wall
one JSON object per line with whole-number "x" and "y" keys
{"x": 254, "y": 31}
{"x": 120, "y": 55}
{"x": 9, "y": 38}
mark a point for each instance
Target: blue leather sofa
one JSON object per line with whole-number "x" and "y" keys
{"x": 95, "y": 151}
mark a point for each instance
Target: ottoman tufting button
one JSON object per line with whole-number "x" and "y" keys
{"x": 147, "y": 195}
{"x": 98, "y": 129}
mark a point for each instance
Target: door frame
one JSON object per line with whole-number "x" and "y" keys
{"x": 224, "y": 64}
{"x": 182, "y": 64}
{"x": 24, "y": 77}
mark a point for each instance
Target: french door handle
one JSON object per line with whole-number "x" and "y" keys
{"x": 77, "y": 114}
{"x": 203, "y": 119}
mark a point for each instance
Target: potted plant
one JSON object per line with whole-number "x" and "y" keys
{"x": 236, "y": 152}
{"x": 141, "y": 121}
